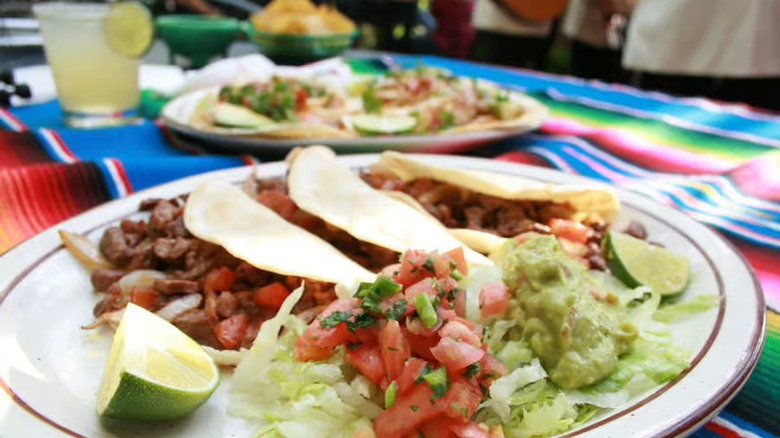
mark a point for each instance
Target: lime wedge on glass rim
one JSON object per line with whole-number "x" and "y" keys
{"x": 129, "y": 28}
{"x": 383, "y": 125}
{"x": 639, "y": 263}
{"x": 154, "y": 371}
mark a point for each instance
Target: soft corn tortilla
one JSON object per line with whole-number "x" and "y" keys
{"x": 222, "y": 214}
{"x": 324, "y": 187}
{"x": 590, "y": 201}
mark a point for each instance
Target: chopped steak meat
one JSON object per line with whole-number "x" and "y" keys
{"x": 170, "y": 286}
{"x": 102, "y": 279}
{"x": 162, "y": 243}
{"x": 457, "y": 207}
{"x": 199, "y": 326}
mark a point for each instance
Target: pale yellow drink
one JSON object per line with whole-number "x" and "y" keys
{"x": 95, "y": 84}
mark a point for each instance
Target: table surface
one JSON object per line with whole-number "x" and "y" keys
{"x": 717, "y": 163}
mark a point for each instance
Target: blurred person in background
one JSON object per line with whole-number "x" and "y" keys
{"x": 506, "y": 35}
{"x": 453, "y": 35}
{"x": 723, "y": 49}
{"x": 586, "y": 24}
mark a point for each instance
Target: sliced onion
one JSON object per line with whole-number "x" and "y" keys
{"x": 85, "y": 251}
{"x": 111, "y": 318}
{"x": 143, "y": 278}
{"x": 227, "y": 358}
{"x": 179, "y": 306}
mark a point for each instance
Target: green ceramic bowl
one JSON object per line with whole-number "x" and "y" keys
{"x": 299, "y": 48}
{"x": 198, "y": 38}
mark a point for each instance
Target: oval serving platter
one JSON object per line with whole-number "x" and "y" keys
{"x": 50, "y": 369}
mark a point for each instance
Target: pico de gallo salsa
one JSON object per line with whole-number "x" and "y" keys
{"x": 407, "y": 332}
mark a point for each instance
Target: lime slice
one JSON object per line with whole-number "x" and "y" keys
{"x": 638, "y": 263}
{"x": 129, "y": 29}
{"x": 154, "y": 371}
{"x": 383, "y": 125}
{"x": 226, "y": 114}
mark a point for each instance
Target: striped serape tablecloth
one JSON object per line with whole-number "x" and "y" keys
{"x": 720, "y": 164}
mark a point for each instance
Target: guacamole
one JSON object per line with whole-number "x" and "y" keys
{"x": 577, "y": 337}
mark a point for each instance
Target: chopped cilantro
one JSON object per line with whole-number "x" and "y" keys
{"x": 371, "y": 103}
{"x": 414, "y": 408}
{"x": 335, "y": 319}
{"x": 447, "y": 120}
{"x": 438, "y": 381}
{"x": 397, "y": 310}
{"x": 473, "y": 370}
{"x": 429, "y": 265}
{"x": 425, "y": 370}
{"x": 364, "y": 320}
{"x": 373, "y": 293}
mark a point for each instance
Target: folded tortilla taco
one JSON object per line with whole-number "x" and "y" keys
{"x": 481, "y": 208}
{"x": 216, "y": 265}
{"x": 324, "y": 187}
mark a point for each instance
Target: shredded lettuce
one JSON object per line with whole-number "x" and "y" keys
{"x": 478, "y": 277}
{"x": 679, "y": 311}
{"x": 291, "y": 399}
{"x": 501, "y": 389}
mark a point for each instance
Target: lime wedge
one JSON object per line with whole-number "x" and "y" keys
{"x": 129, "y": 28}
{"x": 638, "y": 263}
{"x": 226, "y": 114}
{"x": 383, "y": 125}
{"x": 154, "y": 371}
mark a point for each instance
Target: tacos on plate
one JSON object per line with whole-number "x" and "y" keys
{"x": 322, "y": 186}
{"x": 482, "y": 209}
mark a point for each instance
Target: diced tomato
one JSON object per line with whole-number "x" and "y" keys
{"x": 331, "y": 337}
{"x": 416, "y": 327}
{"x": 387, "y": 303}
{"x": 218, "y": 280}
{"x": 230, "y": 332}
{"x": 368, "y": 335}
{"x": 149, "y": 299}
{"x": 306, "y": 351}
{"x": 390, "y": 271}
{"x": 412, "y": 268}
{"x": 438, "y": 427}
{"x": 460, "y": 332}
{"x": 571, "y": 230}
{"x": 473, "y": 326}
{"x": 413, "y": 367}
{"x": 425, "y": 286}
{"x": 394, "y": 348}
{"x": 446, "y": 315}
{"x": 459, "y": 257}
{"x": 300, "y": 99}
{"x": 462, "y": 399}
{"x": 278, "y": 202}
{"x": 460, "y": 303}
{"x": 408, "y": 413}
{"x": 367, "y": 360}
{"x": 447, "y": 284}
{"x": 441, "y": 266}
{"x": 470, "y": 430}
{"x": 456, "y": 355}
{"x": 421, "y": 345}
{"x": 272, "y": 295}
{"x": 492, "y": 368}
{"x": 493, "y": 299}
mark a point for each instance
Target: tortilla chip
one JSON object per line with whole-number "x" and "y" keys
{"x": 591, "y": 201}
{"x": 321, "y": 185}
{"x": 220, "y": 213}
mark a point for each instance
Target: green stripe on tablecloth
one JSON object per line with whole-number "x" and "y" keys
{"x": 759, "y": 400}
{"x": 658, "y": 131}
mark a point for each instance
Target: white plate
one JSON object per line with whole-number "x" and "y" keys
{"x": 178, "y": 112}
{"x": 50, "y": 369}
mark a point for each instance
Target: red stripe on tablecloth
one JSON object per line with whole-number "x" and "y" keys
{"x": 58, "y": 146}
{"x": 37, "y": 197}
{"x": 722, "y": 430}
{"x": 11, "y": 120}
{"x": 122, "y": 182}
{"x": 20, "y": 149}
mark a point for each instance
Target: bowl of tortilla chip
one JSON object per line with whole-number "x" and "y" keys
{"x": 300, "y": 31}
